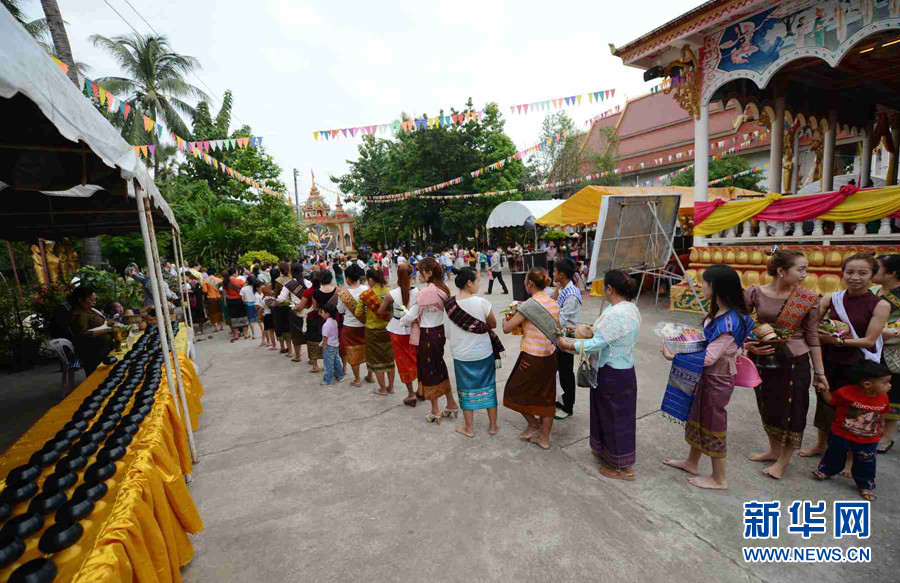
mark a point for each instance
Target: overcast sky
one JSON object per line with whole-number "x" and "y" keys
{"x": 295, "y": 66}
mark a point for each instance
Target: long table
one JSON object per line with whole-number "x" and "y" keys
{"x": 139, "y": 530}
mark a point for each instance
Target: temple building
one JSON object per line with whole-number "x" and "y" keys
{"x": 328, "y": 230}
{"x": 812, "y": 81}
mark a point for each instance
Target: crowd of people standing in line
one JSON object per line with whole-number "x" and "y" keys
{"x": 405, "y": 330}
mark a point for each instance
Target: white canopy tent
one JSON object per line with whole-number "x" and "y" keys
{"x": 520, "y": 213}
{"x": 65, "y": 170}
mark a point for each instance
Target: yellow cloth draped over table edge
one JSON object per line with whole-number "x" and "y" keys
{"x": 137, "y": 531}
{"x": 860, "y": 207}
{"x": 582, "y": 208}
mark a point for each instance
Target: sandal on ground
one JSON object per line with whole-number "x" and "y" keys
{"x": 867, "y": 495}
{"x": 410, "y": 401}
{"x": 450, "y": 413}
{"x": 884, "y": 447}
{"x": 378, "y": 393}
{"x": 616, "y": 473}
{"x": 818, "y": 475}
{"x": 430, "y": 418}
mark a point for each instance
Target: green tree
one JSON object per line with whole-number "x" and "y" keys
{"x": 728, "y": 166}
{"x": 558, "y": 159}
{"x": 155, "y": 85}
{"x": 430, "y": 156}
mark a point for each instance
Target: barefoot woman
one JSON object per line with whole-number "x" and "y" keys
{"x": 614, "y": 401}
{"x": 476, "y": 351}
{"x": 396, "y": 304}
{"x": 888, "y": 277}
{"x": 726, "y": 327}
{"x": 531, "y": 387}
{"x": 783, "y": 396}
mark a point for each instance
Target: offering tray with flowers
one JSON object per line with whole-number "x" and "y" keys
{"x": 769, "y": 335}
{"x": 680, "y": 338}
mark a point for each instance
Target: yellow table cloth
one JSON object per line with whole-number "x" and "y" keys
{"x": 138, "y": 530}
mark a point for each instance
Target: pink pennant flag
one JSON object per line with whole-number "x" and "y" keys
{"x": 512, "y": 109}
{"x": 612, "y": 92}
{"x": 344, "y": 131}
{"x": 519, "y": 107}
{"x": 353, "y": 132}
{"x": 372, "y": 130}
{"x": 127, "y": 110}
{"x": 526, "y": 108}
{"x": 152, "y": 150}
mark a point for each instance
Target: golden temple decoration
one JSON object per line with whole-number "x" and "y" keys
{"x": 787, "y": 163}
{"x": 687, "y": 90}
{"x": 817, "y": 145}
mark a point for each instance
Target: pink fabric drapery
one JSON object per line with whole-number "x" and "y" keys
{"x": 791, "y": 209}
{"x": 704, "y": 209}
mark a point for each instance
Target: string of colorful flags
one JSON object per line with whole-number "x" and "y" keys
{"x": 729, "y": 146}
{"x": 199, "y": 150}
{"x": 753, "y": 170}
{"x": 574, "y": 100}
{"x": 474, "y": 174}
{"x": 400, "y": 126}
{"x": 603, "y": 115}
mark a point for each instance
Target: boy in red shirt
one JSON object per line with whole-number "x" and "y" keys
{"x": 857, "y": 425}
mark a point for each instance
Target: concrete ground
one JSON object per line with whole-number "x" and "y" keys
{"x": 298, "y": 482}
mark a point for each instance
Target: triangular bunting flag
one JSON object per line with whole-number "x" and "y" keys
{"x": 590, "y": 97}
{"x": 147, "y": 123}
{"x": 144, "y": 150}
{"x": 102, "y": 96}
{"x": 567, "y": 100}
{"x": 612, "y": 92}
{"x": 137, "y": 150}
{"x": 94, "y": 92}
{"x": 578, "y": 97}
{"x": 127, "y": 110}
{"x": 152, "y": 149}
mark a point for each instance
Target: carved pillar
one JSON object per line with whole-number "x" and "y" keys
{"x": 865, "y": 159}
{"x": 776, "y": 146}
{"x": 701, "y": 162}
{"x": 828, "y": 158}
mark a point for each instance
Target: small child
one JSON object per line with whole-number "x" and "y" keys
{"x": 857, "y": 425}
{"x": 334, "y": 371}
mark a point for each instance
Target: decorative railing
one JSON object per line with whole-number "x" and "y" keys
{"x": 840, "y": 216}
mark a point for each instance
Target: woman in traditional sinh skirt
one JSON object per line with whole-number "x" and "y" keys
{"x": 888, "y": 277}
{"x": 783, "y": 395}
{"x": 531, "y": 387}
{"x": 727, "y": 326}
{"x": 379, "y": 355}
{"x": 313, "y": 333}
{"x": 476, "y": 351}
{"x": 397, "y": 303}
{"x": 614, "y": 400}
{"x": 353, "y": 332}
{"x": 427, "y": 319}
{"x": 214, "y": 301}
{"x": 237, "y": 312}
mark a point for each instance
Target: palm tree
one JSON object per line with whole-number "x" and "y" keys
{"x": 36, "y": 28}
{"x": 156, "y": 86}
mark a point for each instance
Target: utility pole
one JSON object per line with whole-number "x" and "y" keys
{"x": 296, "y": 196}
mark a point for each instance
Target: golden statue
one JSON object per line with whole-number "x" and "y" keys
{"x": 687, "y": 90}
{"x": 787, "y": 163}
{"x": 52, "y": 261}
{"x": 817, "y": 145}
{"x": 68, "y": 260}
{"x": 38, "y": 263}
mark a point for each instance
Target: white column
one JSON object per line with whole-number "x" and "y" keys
{"x": 795, "y": 176}
{"x": 865, "y": 163}
{"x": 776, "y": 148}
{"x": 701, "y": 162}
{"x": 828, "y": 156}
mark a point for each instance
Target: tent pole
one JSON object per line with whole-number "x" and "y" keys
{"x": 12, "y": 261}
{"x": 182, "y": 293}
{"x": 185, "y": 414}
{"x": 154, "y": 289}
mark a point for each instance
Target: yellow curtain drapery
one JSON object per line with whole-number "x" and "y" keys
{"x": 734, "y": 213}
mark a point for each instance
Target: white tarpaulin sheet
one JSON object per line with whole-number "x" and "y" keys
{"x": 516, "y": 213}
{"x": 26, "y": 68}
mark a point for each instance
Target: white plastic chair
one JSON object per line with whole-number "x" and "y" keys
{"x": 60, "y": 346}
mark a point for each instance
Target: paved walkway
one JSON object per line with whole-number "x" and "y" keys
{"x": 298, "y": 482}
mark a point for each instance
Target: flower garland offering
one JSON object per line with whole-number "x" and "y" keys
{"x": 836, "y": 328}
{"x": 679, "y": 333}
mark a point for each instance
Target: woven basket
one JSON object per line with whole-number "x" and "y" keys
{"x": 681, "y": 347}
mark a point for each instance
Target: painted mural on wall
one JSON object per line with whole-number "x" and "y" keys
{"x": 756, "y": 46}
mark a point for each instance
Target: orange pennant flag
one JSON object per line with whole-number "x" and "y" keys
{"x": 144, "y": 150}
{"x": 137, "y": 150}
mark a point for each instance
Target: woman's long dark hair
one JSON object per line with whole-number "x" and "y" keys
{"x": 434, "y": 269}
{"x": 726, "y": 285}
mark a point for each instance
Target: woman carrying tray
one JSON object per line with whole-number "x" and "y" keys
{"x": 707, "y": 389}
{"x": 783, "y": 396}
